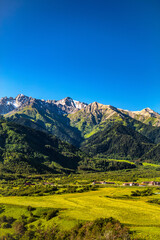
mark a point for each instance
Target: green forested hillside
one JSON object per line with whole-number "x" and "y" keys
{"x": 24, "y": 150}
{"x": 73, "y": 128}
{"x": 97, "y": 117}
{"x": 100, "y": 130}
{"x": 46, "y": 119}
{"x": 153, "y": 155}
{"x": 117, "y": 141}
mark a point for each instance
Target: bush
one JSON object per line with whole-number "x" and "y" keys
{"x": 5, "y": 219}
{"x": 51, "y": 214}
{"x": 156, "y": 201}
{"x": 146, "y": 192}
{"x": 2, "y": 208}
{"x": 107, "y": 228}
{"x": 29, "y": 208}
{"x": 31, "y": 219}
{"x": 5, "y": 225}
{"x": 10, "y": 220}
{"x": 8, "y": 237}
{"x": 19, "y": 228}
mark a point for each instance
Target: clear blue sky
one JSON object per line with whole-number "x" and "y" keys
{"x": 91, "y": 50}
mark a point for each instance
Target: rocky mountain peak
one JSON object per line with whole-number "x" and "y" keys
{"x": 66, "y": 101}
{"x": 66, "y": 105}
{"x": 96, "y": 105}
{"x": 149, "y": 110}
{"x": 101, "y": 107}
{"x": 8, "y": 104}
{"x": 69, "y": 105}
{"x": 21, "y": 99}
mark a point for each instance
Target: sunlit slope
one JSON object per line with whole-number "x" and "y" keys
{"x": 84, "y": 122}
{"x": 138, "y": 214}
{"x": 147, "y": 116}
{"x": 96, "y": 117}
{"x": 46, "y": 119}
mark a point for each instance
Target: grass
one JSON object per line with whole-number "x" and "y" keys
{"x": 141, "y": 216}
{"x": 117, "y": 160}
{"x": 15, "y": 211}
{"x": 151, "y": 164}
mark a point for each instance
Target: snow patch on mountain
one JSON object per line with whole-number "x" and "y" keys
{"x": 64, "y": 106}
{"x": 79, "y": 104}
{"x": 68, "y": 105}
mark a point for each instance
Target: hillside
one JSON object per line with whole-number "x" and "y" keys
{"x": 90, "y": 119}
{"x": 47, "y": 117}
{"x": 153, "y": 155}
{"x": 96, "y": 117}
{"x": 24, "y": 150}
{"x": 102, "y": 130}
{"x": 72, "y": 120}
{"x": 117, "y": 141}
{"x": 147, "y": 116}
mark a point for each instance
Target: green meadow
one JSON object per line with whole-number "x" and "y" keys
{"x": 137, "y": 213}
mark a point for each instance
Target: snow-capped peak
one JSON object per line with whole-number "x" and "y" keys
{"x": 64, "y": 106}
{"x": 79, "y": 104}
{"x": 69, "y": 105}
{"x": 10, "y": 104}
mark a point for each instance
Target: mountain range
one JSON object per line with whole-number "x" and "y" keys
{"x": 97, "y": 129}
{"x": 66, "y": 105}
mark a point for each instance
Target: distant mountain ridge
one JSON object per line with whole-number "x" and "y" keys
{"x": 146, "y": 115}
{"x": 79, "y": 123}
{"x": 70, "y": 106}
{"x": 63, "y": 106}
{"x": 98, "y": 129}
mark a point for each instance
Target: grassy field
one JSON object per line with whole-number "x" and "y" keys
{"x": 139, "y": 215}
{"x": 151, "y": 164}
{"x": 117, "y": 160}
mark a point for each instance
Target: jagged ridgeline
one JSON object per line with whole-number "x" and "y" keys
{"x": 49, "y": 116}
{"x": 96, "y": 117}
{"x": 100, "y": 130}
{"x": 25, "y": 150}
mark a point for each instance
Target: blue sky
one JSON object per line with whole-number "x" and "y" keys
{"x": 91, "y": 50}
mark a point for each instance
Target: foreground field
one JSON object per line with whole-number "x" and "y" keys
{"x": 139, "y": 215}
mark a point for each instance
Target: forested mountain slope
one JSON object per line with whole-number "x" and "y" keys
{"x": 25, "y": 150}
{"x": 98, "y": 129}
{"x": 117, "y": 141}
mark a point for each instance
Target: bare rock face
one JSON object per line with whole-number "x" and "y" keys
{"x": 10, "y": 104}
{"x": 64, "y": 106}
{"x": 68, "y": 105}
{"x": 146, "y": 115}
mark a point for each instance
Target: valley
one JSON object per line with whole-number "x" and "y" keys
{"x": 136, "y": 213}
{"x": 54, "y": 154}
